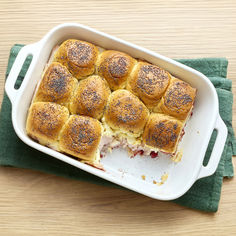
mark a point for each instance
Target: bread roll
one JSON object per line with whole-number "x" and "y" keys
{"x": 139, "y": 88}
{"x": 126, "y": 113}
{"x": 80, "y": 137}
{"x": 115, "y": 67}
{"x": 45, "y": 121}
{"x": 78, "y": 56}
{"x": 148, "y": 82}
{"x": 57, "y": 85}
{"x": 178, "y": 99}
{"x": 162, "y": 132}
{"x": 90, "y": 97}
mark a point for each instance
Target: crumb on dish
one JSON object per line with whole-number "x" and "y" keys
{"x": 164, "y": 177}
{"x": 143, "y": 177}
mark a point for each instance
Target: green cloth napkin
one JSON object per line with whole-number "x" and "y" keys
{"x": 204, "y": 194}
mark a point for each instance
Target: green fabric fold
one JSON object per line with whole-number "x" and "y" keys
{"x": 204, "y": 194}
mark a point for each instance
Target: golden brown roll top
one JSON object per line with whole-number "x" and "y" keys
{"x": 90, "y": 97}
{"x": 45, "y": 121}
{"x": 162, "y": 132}
{"x": 57, "y": 85}
{"x": 148, "y": 82}
{"x": 115, "y": 67}
{"x": 80, "y": 137}
{"x": 126, "y": 113}
{"x": 78, "y": 56}
{"x": 137, "y": 86}
{"x": 178, "y": 99}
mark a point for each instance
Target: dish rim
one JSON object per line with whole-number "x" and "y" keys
{"x": 35, "y": 49}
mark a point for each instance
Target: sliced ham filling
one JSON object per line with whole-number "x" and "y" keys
{"x": 108, "y": 143}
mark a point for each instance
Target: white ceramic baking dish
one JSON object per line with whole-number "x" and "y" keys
{"x": 136, "y": 173}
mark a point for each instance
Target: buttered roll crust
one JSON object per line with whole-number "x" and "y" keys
{"x": 78, "y": 56}
{"x": 57, "y": 85}
{"x": 45, "y": 121}
{"x": 178, "y": 99}
{"x": 115, "y": 67}
{"x": 141, "y": 106}
{"x": 80, "y": 137}
{"x": 148, "y": 82}
{"x": 90, "y": 97}
{"x": 162, "y": 132}
{"x": 125, "y": 112}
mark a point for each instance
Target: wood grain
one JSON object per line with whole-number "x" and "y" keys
{"x": 33, "y": 203}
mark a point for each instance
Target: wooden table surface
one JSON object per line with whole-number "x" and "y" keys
{"x": 34, "y": 203}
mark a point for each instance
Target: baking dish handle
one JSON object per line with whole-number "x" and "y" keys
{"x": 15, "y": 70}
{"x": 217, "y": 149}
